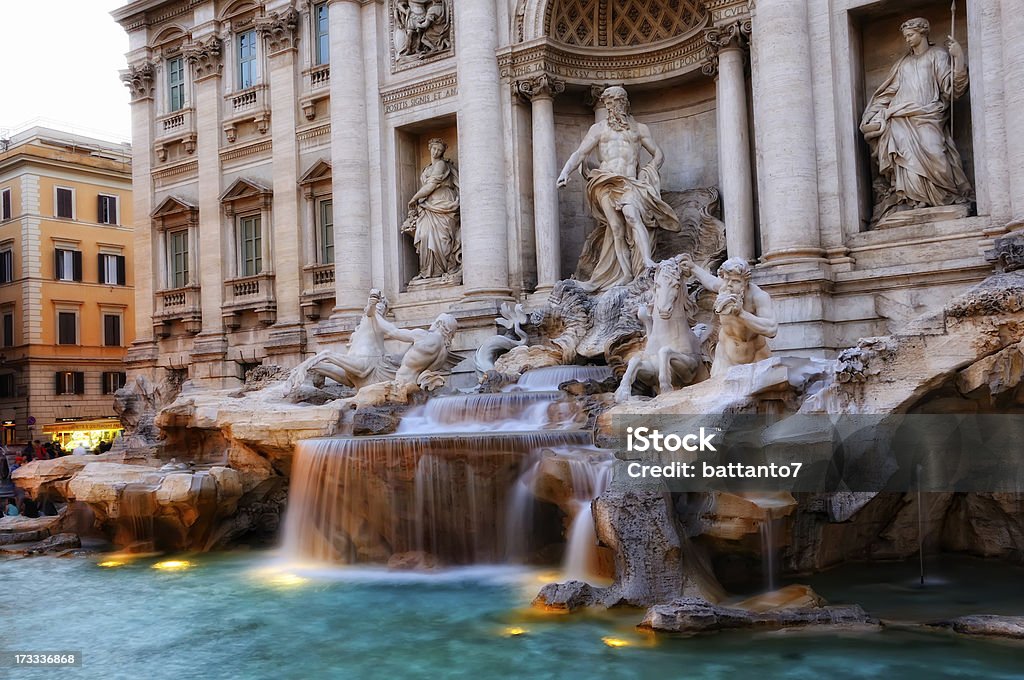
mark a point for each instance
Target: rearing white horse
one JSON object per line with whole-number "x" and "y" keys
{"x": 672, "y": 353}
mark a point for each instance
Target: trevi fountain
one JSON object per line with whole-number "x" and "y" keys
{"x": 452, "y": 494}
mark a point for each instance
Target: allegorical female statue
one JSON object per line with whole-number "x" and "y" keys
{"x": 433, "y": 218}
{"x": 907, "y": 126}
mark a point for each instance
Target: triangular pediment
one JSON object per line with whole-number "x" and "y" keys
{"x": 244, "y": 188}
{"x": 320, "y": 170}
{"x": 173, "y": 205}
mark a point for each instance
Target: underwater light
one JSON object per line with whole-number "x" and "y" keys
{"x": 110, "y": 563}
{"x": 172, "y": 565}
{"x": 287, "y": 580}
{"x": 514, "y": 631}
{"x": 615, "y": 642}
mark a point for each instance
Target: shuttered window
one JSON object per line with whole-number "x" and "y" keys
{"x": 106, "y": 209}
{"x": 112, "y": 330}
{"x": 326, "y": 249}
{"x": 7, "y": 386}
{"x": 179, "y": 258}
{"x": 69, "y": 382}
{"x": 5, "y": 204}
{"x": 67, "y": 328}
{"x": 67, "y": 265}
{"x": 65, "y": 203}
{"x": 8, "y": 329}
{"x": 113, "y": 381}
{"x": 250, "y": 241}
{"x": 112, "y": 269}
{"x": 6, "y": 266}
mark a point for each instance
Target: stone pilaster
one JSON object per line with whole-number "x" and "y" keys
{"x": 205, "y": 57}
{"x": 349, "y": 159}
{"x": 541, "y": 91}
{"x": 1013, "y": 78}
{"x": 728, "y": 45}
{"x": 139, "y": 80}
{"x": 481, "y": 153}
{"x": 279, "y": 29}
{"x": 784, "y": 128}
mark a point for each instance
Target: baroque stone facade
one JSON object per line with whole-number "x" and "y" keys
{"x": 278, "y": 144}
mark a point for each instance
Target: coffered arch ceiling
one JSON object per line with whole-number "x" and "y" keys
{"x": 621, "y": 23}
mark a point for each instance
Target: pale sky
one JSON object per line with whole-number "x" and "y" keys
{"x": 60, "y": 61}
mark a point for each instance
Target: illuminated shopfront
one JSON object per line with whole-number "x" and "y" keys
{"x": 90, "y": 433}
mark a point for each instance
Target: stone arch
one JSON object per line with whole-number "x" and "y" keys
{"x": 609, "y": 23}
{"x": 239, "y": 7}
{"x": 169, "y": 34}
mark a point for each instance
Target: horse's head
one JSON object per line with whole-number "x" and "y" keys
{"x": 667, "y": 282}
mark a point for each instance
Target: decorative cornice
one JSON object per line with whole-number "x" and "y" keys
{"x": 138, "y": 78}
{"x": 205, "y": 56}
{"x": 582, "y": 67}
{"x": 539, "y": 87}
{"x": 281, "y": 29}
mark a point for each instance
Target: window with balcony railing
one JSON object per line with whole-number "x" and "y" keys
{"x": 325, "y": 235}
{"x": 177, "y": 252}
{"x": 321, "y": 40}
{"x": 250, "y": 244}
{"x": 176, "y": 84}
{"x": 247, "y": 72}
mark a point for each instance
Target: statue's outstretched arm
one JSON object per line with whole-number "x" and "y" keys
{"x": 706, "y": 278}
{"x": 586, "y": 146}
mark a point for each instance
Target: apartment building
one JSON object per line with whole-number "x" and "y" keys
{"x": 66, "y": 295}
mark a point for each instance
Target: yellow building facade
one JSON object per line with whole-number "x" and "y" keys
{"x": 66, "y": 285}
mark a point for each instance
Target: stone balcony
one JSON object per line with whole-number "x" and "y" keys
{"x": 317, "y": 86}
{"x": 249, "y": 293}
{"x": 179, "y": 126}
{"x": 251, "y": 104}
{"x": 317, "y": 285}
{"x": 177, "y": 304}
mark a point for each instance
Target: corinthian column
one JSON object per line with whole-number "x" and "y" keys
{"x": 1013, "y": 74}
{"x": 541, "y": 92}
{"x": 727, "y": 44}
{"x": 784, "y": 126}
{"x": 350, "y": 167}
{"x": 481, "y": 151}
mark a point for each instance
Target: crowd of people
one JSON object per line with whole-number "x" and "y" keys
{"x": 13, "y": 501}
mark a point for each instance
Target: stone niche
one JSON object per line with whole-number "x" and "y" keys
{"x": 877, "y": 44}
{"x": 412, "y": 155}
{"x": 681, "y": 116}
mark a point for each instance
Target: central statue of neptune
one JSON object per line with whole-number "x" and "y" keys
{"x": 624, "y": 197}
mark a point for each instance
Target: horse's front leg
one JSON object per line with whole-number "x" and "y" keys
{"x": 665, "y": 355}
{"x": 625, "y": 389}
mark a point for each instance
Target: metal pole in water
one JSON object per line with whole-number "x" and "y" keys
{"x": 920, "y": 525}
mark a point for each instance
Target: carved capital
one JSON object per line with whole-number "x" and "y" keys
{"x": 709, "y": 66}
{"x": 138, "y": 78}
{"x": 539, "y": 87}
{"x": 735, "y": 35}
{"x": 281, "y": 29}
{"x": 1007, "y": 255}
{"x": 205, "y": 56}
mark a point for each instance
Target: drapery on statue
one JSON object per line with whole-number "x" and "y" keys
{"x": 624, "y": 197}
{"x": 421, "y": 29}
{"x": 672, "y": 355}
{"x": 366, "y": 361}
{"x": 433, "y": 219}
{"x": 745, "y": 315}
{"x": 906, "y": 124}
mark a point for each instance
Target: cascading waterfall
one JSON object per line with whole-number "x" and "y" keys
{"x": 550, "y": 377}
{"x": 135, "y": 526}
{"x": 446, "y": 488}
{"x": 590, "y": 477}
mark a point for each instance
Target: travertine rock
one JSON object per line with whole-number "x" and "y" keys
{"x": 694, "y": 615}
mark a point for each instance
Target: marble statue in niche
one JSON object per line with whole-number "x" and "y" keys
{"x": 746, "y": 318}
{"x": 624, "y": 197}
{"x": 433, "y": 217}
{"x": 422, "y": 29}
{"x": 907, "y": 126}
